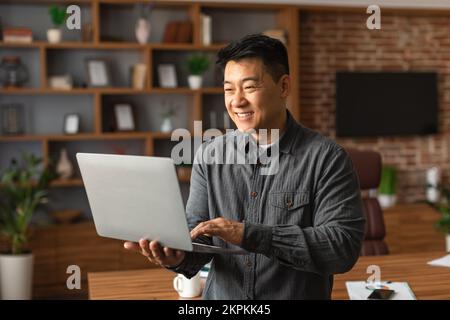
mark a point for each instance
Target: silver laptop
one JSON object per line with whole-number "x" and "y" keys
{"x": 138, "y": 197}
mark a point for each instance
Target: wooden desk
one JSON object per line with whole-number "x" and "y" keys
{"x": 427, "y": 282}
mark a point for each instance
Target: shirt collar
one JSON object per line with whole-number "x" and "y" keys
{"x": 288, "y": 137}
{"x": 290, "y": 134}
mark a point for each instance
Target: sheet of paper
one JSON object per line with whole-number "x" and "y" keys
{"x": 441, "y": 262}
{"x": 357, "y": 290}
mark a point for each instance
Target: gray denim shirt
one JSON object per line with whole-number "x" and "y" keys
{"x": 301, "y": 225}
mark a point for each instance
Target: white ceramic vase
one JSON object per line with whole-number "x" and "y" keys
{"x": 16, "y": 276}
{"x": 166, "y": 125}
{"x": 195, "y": 81}
{"x": 142, "y": 30}
{"x": 387, "y": 200}
{"x": 64, "y": 168}
{"x": 54, "y": 35}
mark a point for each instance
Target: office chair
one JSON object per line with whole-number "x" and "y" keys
{"x": 367, "y": 165}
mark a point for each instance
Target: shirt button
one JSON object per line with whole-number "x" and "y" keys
{"x": 254, "y": 194}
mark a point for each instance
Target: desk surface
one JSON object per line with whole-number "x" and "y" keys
{"x": 427, "y": 282}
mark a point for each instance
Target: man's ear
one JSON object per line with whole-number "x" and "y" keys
{"x": 285, "y": 85}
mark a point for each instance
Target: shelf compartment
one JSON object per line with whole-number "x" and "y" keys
{"x": 35, "y": 16}
{"x": 65, "y": 61}
{"x": 229, "y": 24}
{"x": 148, "y": 109}
{"x": 29, "y": 57}
{"x": 127, "y": 13}
{"x": 133, "y": 146}
{"x": 211, "y": 79}
{"x": 40, "y": 110}
{"x": 14, "y": 149}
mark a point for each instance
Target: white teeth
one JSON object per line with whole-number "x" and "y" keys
{"x": 244, "y": 114}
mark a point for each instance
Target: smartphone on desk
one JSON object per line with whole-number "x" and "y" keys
{"x": 381, "y": 294}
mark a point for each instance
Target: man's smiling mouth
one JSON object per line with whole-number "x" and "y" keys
{"x": 244, "y": 115}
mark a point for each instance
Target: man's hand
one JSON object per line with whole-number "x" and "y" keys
{"x": 165, "y": 257}
{"x": 228, "y": 230}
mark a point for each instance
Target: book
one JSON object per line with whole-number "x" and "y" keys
{"x": 184, "y": 32}
{"x": 205, "y": 29}
{"x": 138, "y": 73}
{"x": 170, "y": 32}
{"x": 22, "y": 35}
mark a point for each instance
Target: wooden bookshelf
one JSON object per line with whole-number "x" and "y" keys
{"x": 284, "y": 16}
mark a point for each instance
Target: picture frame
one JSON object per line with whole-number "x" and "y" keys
{"x": 167, "y": 76}
{"x": 124, "y": 117}
{"x": 71, "y": 123}
{"x": 98, "y": 71}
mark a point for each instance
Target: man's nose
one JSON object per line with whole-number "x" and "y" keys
{"x": 238, "y": 99}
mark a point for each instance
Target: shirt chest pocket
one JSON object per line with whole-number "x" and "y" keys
{"x": 288, "y": 208}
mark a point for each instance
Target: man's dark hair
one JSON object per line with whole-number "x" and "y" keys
{"x": 271, "y": 51}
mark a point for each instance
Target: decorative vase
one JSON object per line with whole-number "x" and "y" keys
{"x": 142, "y": 30}
{"x": 64, "y": 167}
{"x": 387, "y": 200}
{"x": 16, "y": 276}
{"x": 166, "y": 125}
{"x": 12, "y": 72}
{"x": 195, "y": 81}
{"x": 54, "y": 35}
{"x": 433, "y": 177}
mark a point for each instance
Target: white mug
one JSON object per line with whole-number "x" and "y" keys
{"x": 188, "y": 288}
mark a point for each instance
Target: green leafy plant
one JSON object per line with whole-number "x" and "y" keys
{"x": 23, "y": 187}
{"x": 58, "y": 15}
{"x": 388, "y": 181}
{"x": 443, "y": 206}
{"x": 197, "y": 64}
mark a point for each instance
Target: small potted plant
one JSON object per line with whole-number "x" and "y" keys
{"x": 386, "y": 190}
{"x": 197, "y": 65}
{"x": 443, "y": 206}
{"x": 23, "y": 187}
{"x": 167, "y": 112}
{"x": 166, "y": 125}
{"x": 58, "y": 16}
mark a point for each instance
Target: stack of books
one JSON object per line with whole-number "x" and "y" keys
{"x": 21, "y": 35}
{"x": 178, "y": 32}
{"x": 138, "y": 73}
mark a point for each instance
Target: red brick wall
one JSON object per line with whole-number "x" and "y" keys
{"x": 331, "y": 42}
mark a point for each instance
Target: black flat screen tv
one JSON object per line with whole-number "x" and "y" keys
{"x": 370, "y": 104}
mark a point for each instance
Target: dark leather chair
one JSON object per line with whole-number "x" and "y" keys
{"x": 367, "y": 165}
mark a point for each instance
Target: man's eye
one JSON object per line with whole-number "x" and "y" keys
{"x": 228, "y": 89}
{"x": 250, "y": 87}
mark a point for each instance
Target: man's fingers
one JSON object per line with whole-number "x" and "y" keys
{"x": 131, "y": 246}
{"x": 144, "y": 247}
{"x": 169, "y": 252}
{"x": 208, "y": 230}
{"x": 156, "y": 250}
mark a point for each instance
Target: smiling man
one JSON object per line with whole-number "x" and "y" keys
{"x": 300, "y": 225}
